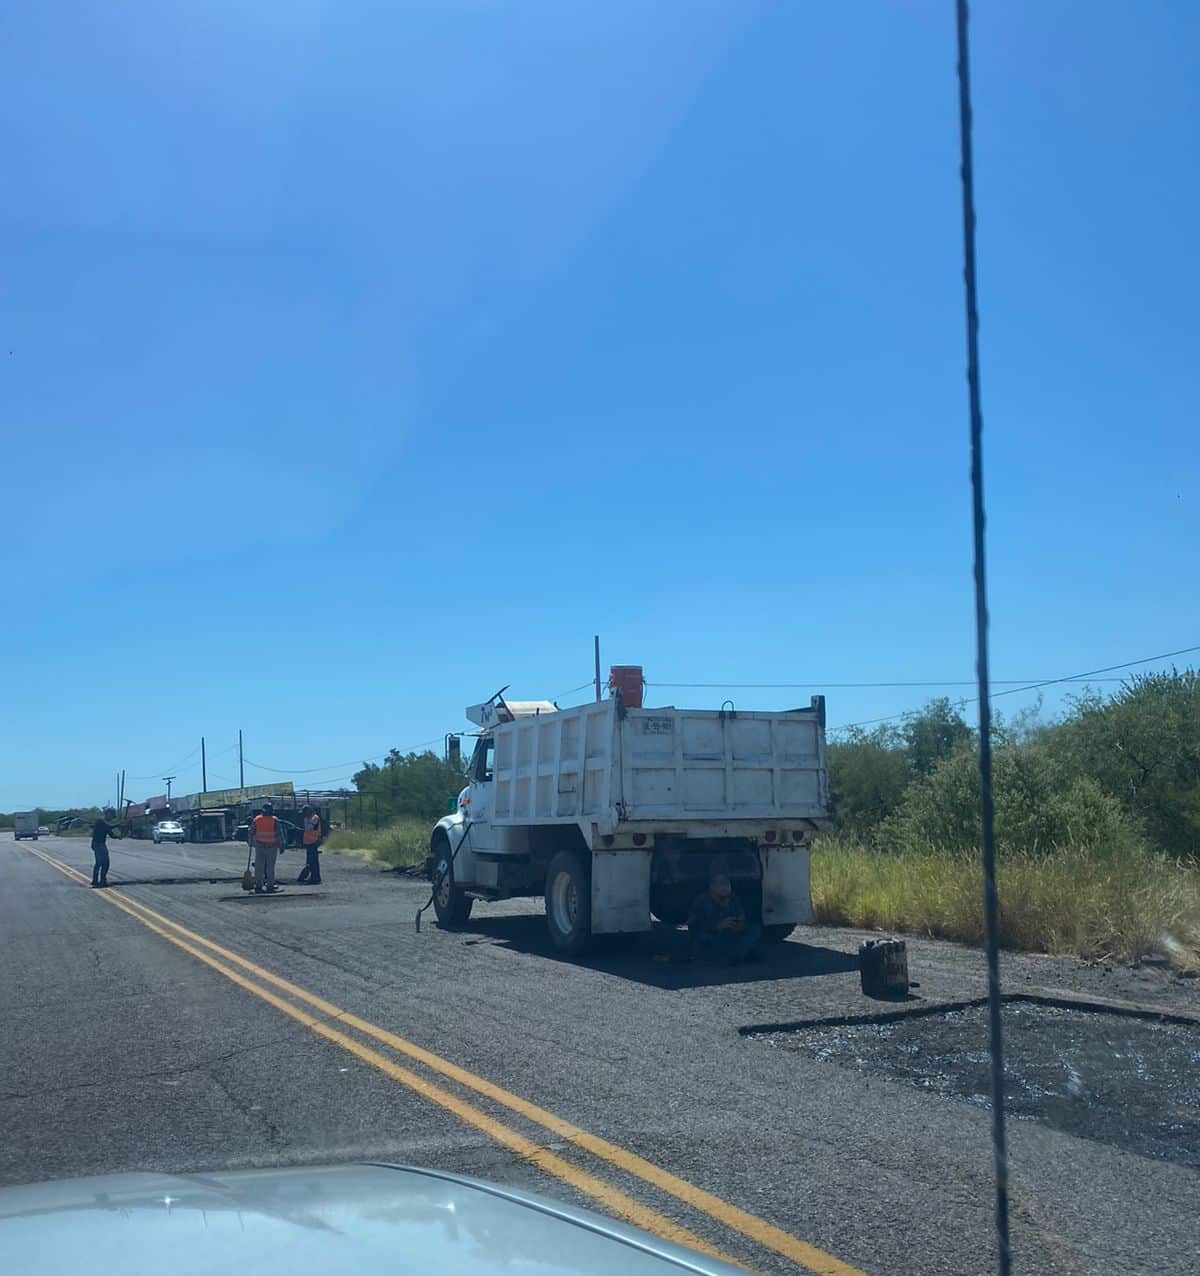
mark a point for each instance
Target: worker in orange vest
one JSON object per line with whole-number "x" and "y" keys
{"x": 267, "y": 838}
{"x": 311, "y": 837}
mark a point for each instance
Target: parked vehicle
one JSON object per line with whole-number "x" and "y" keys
{"x": 25, "y": 824}
{"x": 615, "y": 813}
{"x": 373, "y": 1220}
{"x": 43, "y": 830}
{"x": 167, "y": 831}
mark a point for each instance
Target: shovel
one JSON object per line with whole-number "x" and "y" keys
{"x": 248, "y": 876}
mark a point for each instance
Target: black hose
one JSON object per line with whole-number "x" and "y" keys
{"x": 439, "y": 877}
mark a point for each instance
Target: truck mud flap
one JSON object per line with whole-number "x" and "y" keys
{"x": 620, "y": 891}
{"x": 786, "y": 888}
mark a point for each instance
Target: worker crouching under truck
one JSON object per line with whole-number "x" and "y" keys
{"x": 718, "y": 929}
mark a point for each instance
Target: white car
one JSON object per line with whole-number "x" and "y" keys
{"x": 167, "y": 831}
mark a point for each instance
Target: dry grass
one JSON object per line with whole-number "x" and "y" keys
{"x": 1122, "y": 904}
{"x": 400, "y": 845}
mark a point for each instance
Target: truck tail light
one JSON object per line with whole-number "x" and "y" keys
{"x": 639, "y": 839}
{"x": 769, "y": 835}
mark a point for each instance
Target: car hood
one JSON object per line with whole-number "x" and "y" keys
{"x": 365, "y": 1219}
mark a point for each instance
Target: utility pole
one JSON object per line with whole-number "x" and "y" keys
{"x": 203, "y": 768}
{"x": 241, "y": 763}
{"x": 596, "y": 645}
{"x": 167, "y": 781}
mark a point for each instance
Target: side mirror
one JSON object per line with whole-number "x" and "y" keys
{"x": 451, "y": 805}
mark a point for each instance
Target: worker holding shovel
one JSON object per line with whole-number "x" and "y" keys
{"x": 102, "y": 830}
{"x": 267, "y": 840}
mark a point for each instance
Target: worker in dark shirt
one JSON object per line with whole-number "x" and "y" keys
{"x": 717, "y": 926}
{"x": 102, "y": 830}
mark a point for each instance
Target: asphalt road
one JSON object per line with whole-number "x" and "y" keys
{"x": 146, "y": 1028}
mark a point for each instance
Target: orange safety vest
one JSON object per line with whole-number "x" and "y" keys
{"x": 312, "y": 830}
{"x": 264, "y": 829}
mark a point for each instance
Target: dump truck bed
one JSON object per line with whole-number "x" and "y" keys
{"x": 610, "y": 769}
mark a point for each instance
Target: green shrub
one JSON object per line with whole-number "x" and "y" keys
{"x": 1143, "y": 747}
{"x": 870, "y": 770}
{"x": 410, "y": 784}
{"x": 868, "y": 774}
{"x": 1038, "y": 807}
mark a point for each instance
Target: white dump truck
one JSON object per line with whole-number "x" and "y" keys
{"x": 616, "y": 814}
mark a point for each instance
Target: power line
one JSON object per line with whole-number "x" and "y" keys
{"x": 327, "y": 782}
{"x": 334, "y": 766}
{"x": 279, "y": 770}
{"x": 562, "y": 694}
{"x": 1034, "y": 686}
{"x": 157, "y": 775}
{"x": 819, "y": 685}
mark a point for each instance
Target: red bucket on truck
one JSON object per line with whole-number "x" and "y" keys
{"x": 628, "y": 680}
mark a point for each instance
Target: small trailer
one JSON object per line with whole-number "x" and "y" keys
{"x": 617, "y": 813}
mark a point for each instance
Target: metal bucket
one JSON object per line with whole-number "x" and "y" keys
{"x": 883, "y": 967}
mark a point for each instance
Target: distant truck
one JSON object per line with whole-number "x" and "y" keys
{"x": 616, "y": 813}
{"x": 25, "y": 824}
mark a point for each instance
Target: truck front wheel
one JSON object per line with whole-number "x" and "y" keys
{"x": 451, "y": 905}
{"x": 569, "y": 903}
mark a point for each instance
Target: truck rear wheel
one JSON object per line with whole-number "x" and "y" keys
{"x": 569, "y": 903}
{"x": 451, "y": 905}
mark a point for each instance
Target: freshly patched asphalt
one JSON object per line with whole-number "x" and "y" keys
{"x": 120, "y": 1051}
{"x": 1114, "y": 1078}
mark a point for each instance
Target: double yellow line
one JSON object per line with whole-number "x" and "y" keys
{"x": 610, "y": 1198}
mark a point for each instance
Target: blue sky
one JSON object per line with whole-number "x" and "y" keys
{"x": 359, "y": 359}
